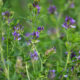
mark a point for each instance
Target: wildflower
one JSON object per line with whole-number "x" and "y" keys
{"x": 72, "y": 68}
{"x": 17, "y": 30}
{"x": 6, "y": 13}
{"x": 16, "y": 35}
{"x": 35, "y": 3}
{"x": 38, "y": 8}
{"x": 66, "y": 53}
{"x": 78, "y": 57}
{"x": 2, "y": 38}
{"x": 40, "y": 28}
{"x": 72, "y": 54}
{"x": 51, "y": 74}
{"x": 52, "y": 9}
{"x": 35, "y": 34}
{"x": 18, "y": 27}
{"x": 34, "y": 56}
{"x": 69, "y": 23}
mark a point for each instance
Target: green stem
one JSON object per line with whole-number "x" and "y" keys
{"x": 67, "y": 60}
{"x": 7, "y": 52}
{"x": 27, "y": 72}
{"x": 5, "y": 68}
{"x": 68, "y": 55}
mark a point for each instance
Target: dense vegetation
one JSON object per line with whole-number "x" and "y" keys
{"x": 39, "y": 39}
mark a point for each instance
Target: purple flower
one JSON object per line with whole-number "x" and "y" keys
{"x": 66, "y": 53}
{"x": 65, "y": 25}
{"x": 72, "y": 55}
{"x": 38, "y": 8}
{"x": 16, "y": 35}
{"x": 18, "y": 27}
{"x": 2, "y": 38}
{"x": 52, "y": 9}
{"x": 51, "y": 74}
{"x": 19, "y": 38}
{"x": 6, "y": 13}
{"x": 72, "y": 21}
{"x": 17, "y": 30}
{"x": 35, "y": 3}
{"x": 40, "y": 28}
{"x": 35, "y": 34}
{"x": 34, "y": 56}
{"x": 72, "y": 68}
{"x": 78, "y": 57}
{"x": 69, "y": 22}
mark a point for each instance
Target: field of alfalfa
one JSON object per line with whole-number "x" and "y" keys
{"x": 39, "y": 39}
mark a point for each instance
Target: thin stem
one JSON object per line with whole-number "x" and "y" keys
{"x": 27, "y": 72}
{"x": 68, "y": 55}
{"x": 67, "y": 60}
{"x": 7, "y": 52}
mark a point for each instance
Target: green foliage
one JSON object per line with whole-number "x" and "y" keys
{"x": 16, "y": 62}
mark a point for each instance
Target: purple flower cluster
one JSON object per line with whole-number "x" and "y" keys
{"x": 36, "y": 34}
{"x": 2, "y": 38}
{"x": 6, "y": 13}
{"x": 38, "y": 8}
{"x": 40, "y": 28}
{"x": 17, "y": 29}
{"x": 78, "y": 57}
{"x": 6, "y": 16}
{"x": 34, "y": 56}
{"x": 52, "y": 9}
{"x": 73, "y": 54}
{"x": 16, "y": 35}
{"x": 69, "y": 22}
{"x": 35, "y": 4}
